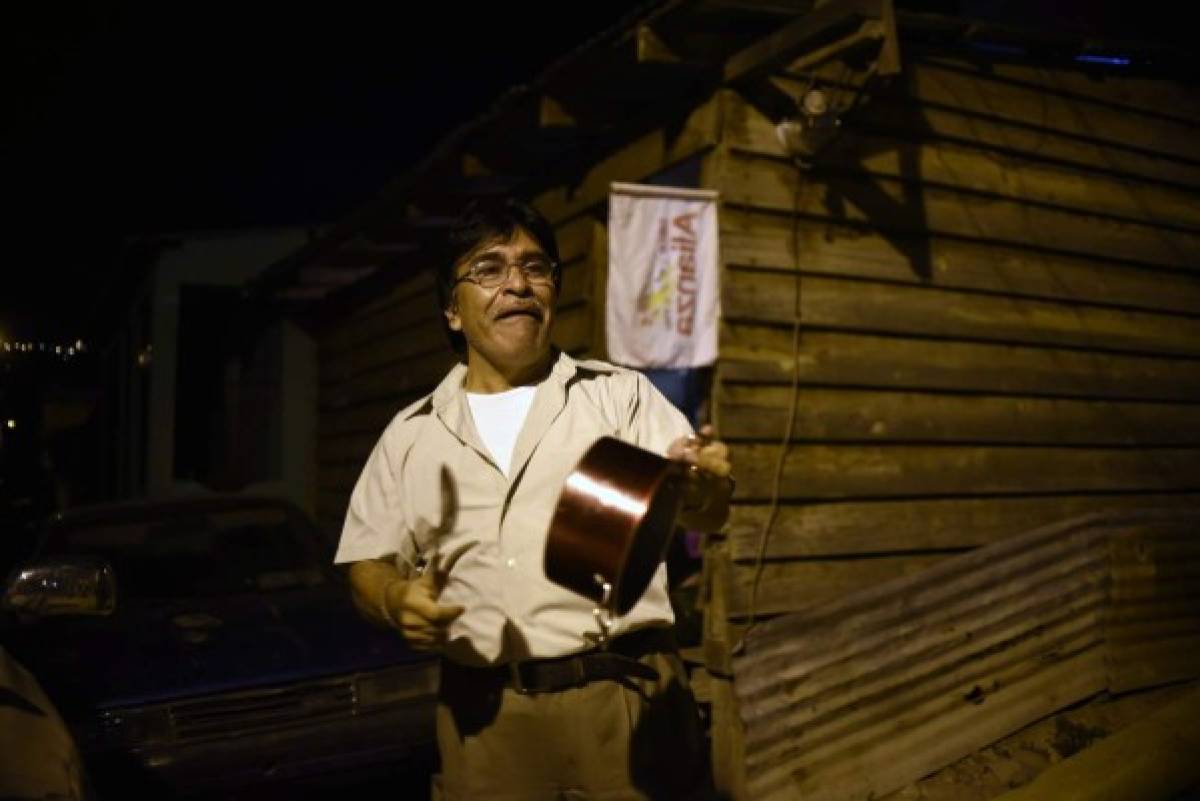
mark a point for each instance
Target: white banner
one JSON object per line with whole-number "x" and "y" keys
{"x": 663, "y": 300}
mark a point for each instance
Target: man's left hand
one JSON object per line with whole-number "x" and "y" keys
{"x": 709, "y": 454}
{"x": 706, "y": 505}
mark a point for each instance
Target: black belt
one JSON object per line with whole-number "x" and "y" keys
{"x": 618, "y": 661}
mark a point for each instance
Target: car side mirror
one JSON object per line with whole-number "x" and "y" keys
{"x": 67, "y": 586}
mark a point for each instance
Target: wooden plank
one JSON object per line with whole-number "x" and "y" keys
{"x": 834, "y": 303}
{"x": 641, "y": 158}
{"x": 888, "y": 526}
{"x": 573, "y": 329}
{"x": 793, "y": 586}
{"x": 763, "y": 354}
{"x": 803, "y": 33}
{"x": 879, "y": 149}
{"x": 397, "y": 321}
{"x": 882, "y": 471}
{"x": 422, "y": 338}
{"x": 389, "y": 382}
{"x": 368, "y": 417}
{"x": 1153, "y": 97}
{"x": 770, "y": 241}
{"x": 1025, "y": 141}
{"x": 1155, "y": 663}
{"x": 346, "y": 448}
{"x": 973, "y": 89}
{"x": 574, "y": 239}
{"x": 598, "y": 267}
{"x": 907, "y": 207}
{"x": 897, "y": 111}
{"x": 954, "y": 165}
{"x": 718, "y": 640}
{"x": 1178, "y": 605}
{"x": 728, "y": 757}
{"x": 755, "y": 412}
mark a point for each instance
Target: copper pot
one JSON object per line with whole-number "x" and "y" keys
{"x": 613, "y": 522}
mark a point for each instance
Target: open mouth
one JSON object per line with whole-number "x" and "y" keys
{"x": 530, "y": 313}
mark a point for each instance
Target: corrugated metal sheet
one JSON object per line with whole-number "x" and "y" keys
{"x": 859, "y": 696}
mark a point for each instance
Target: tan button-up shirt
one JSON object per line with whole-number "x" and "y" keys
{"x": 512, "y": 610}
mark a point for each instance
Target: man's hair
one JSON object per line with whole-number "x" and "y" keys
{"x": 481, "y": 222}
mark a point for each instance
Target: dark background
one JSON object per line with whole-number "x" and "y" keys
{"x": 131, "y": 118}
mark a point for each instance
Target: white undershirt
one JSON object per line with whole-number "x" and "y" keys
{"x": 498, "y": 418}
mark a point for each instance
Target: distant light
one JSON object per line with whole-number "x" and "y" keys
{"x": 79, "y": 345}
{"x": 1118, "y": 61}
{"x": 58, "y": 349}
{"x": 12, "y": 423}
{"x": 70, "y": 351}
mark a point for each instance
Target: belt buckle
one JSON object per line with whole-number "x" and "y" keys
{"x": 514, "y": 674}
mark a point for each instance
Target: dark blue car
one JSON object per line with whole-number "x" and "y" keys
{"x": 210, "y": 643}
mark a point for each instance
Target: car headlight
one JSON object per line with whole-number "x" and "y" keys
{"x": 393, "y": 685}
{"x": 130, "y": 728}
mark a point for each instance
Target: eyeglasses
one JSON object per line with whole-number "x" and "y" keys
{"x": 491, "y": 272}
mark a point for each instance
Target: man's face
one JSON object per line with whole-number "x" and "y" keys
{"x": 508, "y": 325}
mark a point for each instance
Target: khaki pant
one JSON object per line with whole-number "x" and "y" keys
{"x": 606, "y": 741}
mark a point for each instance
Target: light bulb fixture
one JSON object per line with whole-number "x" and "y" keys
{"x": 811, "y": 129}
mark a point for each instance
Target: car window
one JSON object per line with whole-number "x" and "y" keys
{"x": 190, "y": 554}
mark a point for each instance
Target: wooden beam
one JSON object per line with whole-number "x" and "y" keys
{"x": 843, "y": 472}
{"x": 761, "y": 413}
{"x": 473, "y": 166}
{"x": 642, "y": 157}
{"x": 805, "y": 531}
{"x": 762, "y": 354}
{"x": 868, "y": 31}
{"x": 551, "y": 113}
{"x": 651, "y": 48}
{"x": 805, "y": 33}
{"x": 889, "y": 53}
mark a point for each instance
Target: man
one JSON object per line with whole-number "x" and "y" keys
{"x": 447, "y": 527}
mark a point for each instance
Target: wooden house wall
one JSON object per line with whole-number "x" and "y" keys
{"x": 862, "y": 694}
{"x": 980, "y": 312}
{"x": 997, "y": 277}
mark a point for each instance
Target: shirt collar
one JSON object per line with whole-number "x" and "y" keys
{"x": 451, "y": 387}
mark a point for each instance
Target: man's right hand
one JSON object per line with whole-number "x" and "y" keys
{"x": 408, "y": 605}
{"x": 414, "y": 605}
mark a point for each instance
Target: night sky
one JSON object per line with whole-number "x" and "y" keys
{"x": 128, "y": 119}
